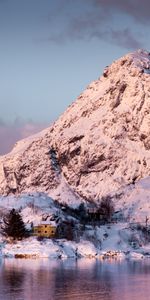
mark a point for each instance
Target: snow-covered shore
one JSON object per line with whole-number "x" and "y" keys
{"x": 116, "y": 240}
{"x": 113, "y": 242}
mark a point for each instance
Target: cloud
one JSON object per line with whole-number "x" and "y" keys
{"x": 137, "y": 9}
{"x": 98, "y": 19}
{"x": 121, "y": 37}
{"x": 125, "y": 39}
{"x": 11, "y": 133}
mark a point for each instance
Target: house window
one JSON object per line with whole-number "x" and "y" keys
{"x": 45, "y": 231}
{"x": 45, "y": 226}
{"x": 39, "y": 231}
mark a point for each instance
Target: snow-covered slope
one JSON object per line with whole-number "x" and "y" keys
{"x": 115, "y": 240}
{"x": 134, "y": 202}
{"x": 98, "y": 146}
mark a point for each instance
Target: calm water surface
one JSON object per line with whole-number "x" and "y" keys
{"x": 25, "y": 279}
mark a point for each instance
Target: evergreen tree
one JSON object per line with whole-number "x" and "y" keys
{"x": 13, "y": 225}
{"x": 82, "y": 212}
{"x": 106, "y": 208}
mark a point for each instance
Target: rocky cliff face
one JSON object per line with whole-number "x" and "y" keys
{"x": 99, "y": 145}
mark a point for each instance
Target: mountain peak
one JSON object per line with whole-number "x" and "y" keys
{"x": 100, "y": 144}
{"x": 135, "y": 63}
{"x": 141, "y": 59}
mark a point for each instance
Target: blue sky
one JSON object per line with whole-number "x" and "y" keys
{"x": 51, "y": 49}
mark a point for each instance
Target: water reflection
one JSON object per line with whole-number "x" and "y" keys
{"x": 24, "y": 279}
{"x": 80, "y": 281}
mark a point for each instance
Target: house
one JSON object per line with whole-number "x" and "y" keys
{"x": 44, "y": 230}
{"x": 95, "y": 215}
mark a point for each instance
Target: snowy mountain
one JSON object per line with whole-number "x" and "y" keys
{"x": 99, "y": 146}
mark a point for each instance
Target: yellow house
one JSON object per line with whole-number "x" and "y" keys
{"x": 44, "y": 230}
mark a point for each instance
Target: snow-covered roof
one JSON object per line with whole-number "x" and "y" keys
{"x": 51, "y": 223}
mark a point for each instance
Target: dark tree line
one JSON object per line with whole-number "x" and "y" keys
{"x": 13, "y": 226}
{"x": 101, "y": 212}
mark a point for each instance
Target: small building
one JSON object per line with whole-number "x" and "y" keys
{"x": 95, "y": 214}
{"x": 44, "y": 230}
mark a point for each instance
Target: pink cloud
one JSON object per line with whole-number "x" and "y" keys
{"x": 137, "y": 9}
{"x": 11, "y": 133}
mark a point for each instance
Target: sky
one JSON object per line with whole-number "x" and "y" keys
{"x": 50, "y": 50}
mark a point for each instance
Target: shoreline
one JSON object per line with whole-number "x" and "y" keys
{"x": 116, "y": 241}
{"x": 50, "y": 249}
